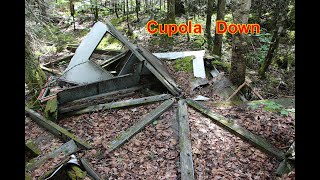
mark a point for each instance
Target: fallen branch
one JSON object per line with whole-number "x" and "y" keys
{"x": 238, "y": 130}
{"x": 236, "y": 91}
{"x": 119, "y": 104}
{"x": 254, "y": 92}
{"x": 130, "y": 132}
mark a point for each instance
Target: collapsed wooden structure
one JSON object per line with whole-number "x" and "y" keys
{"x": 129, "y": 67}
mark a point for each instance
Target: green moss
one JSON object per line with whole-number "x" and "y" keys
{"x": 224, "y": 65}
{"x": 75, "y": 173}
{"x": 110, "y": 43}
{"x": 184, "y": 64}
{"x": 32, "y": 146}
{"x": 51, "y": 110}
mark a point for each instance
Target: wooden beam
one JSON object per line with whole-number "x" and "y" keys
{"x": 56, "y": 129}
{"x": 186, "y": 163}
{"x": 241, "y": 132}
{"x": 67, "y": 149}
{"x": 104, "y": 95}
{"x": 92, "y": 102}
{"x": 82, "y": 91}
{"x": 119, "y": 104}
{"x": 57, "y": 61}
{"x": 130, "y": 132}
{"x": 113, "y": 59}
{"x": 90, "y": 170}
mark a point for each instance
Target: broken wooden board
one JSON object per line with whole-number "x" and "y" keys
{"x": 241, "y": 132}
{"x": 82, "y": 91}
{"x": 80, "y": 69}
{"x": 113, "y": 59}
{"x": 186, "y": 163}
{"x": 110, "y": 95}
{"x": 90, "y": 170}
{"x": 101, "y": 100}
{"x": 119, "y": 104}
{"x": 47, "y": 175}
{"x": 130, "y": 132}
{"x": 56, "y": 129}
{"x": 198, "y": 64}
{"x": 68, "y": 148}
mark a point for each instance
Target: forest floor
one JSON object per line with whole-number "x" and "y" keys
{"x": 154, "y": 152}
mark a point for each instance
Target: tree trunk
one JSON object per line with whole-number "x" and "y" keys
{"x": 187, "y": 17}
{"x": 208, "y": 22}
{"x": 241, "y": 10}
{"x": 217, "y": 46}
{"x": 137, "y": 9}
{"x": 116, "y": 8}
{"x": 146, "y": 8}
{"x": 171, "y": 12}
{"x": 160, "y": 5}
{"x": 275, "y": 38}
{"x": 72, "y": 11}
{"x": 128, "y": 25}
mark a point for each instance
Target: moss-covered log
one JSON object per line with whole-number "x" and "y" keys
{"x": 241, "y": 132}
{"x": 149, "y": 118}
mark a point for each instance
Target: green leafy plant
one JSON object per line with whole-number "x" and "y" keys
{"x": 271, "y": 106}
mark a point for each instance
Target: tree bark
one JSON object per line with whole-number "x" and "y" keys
{"x": 137, "y": 9}
{"x": 116, "y": 8}
{"x": 208, "y": 22}
{"x": 171, "y": 12}
{"x": 217, "y": 46}
{"x": 241, "y": 10}
{"x": 280, "y": 29}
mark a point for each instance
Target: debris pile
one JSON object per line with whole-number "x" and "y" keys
{"x": 97, "y": 138}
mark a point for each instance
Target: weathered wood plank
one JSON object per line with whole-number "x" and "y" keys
{"x": 67, "y": 149}
{"x": 186, "y": 163}
{"x": 90, "y": 170}
{"x": 149, "y": 118}
{"x": 85, "y": 104}
{"x": 119, "y": 104}
{"x": 241, "y": 132}
{"x": 113, "y": 59}
{"x": 104, "y": 95}
{"x": 82, "y": 91}
{"x": 56, "y": 129}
